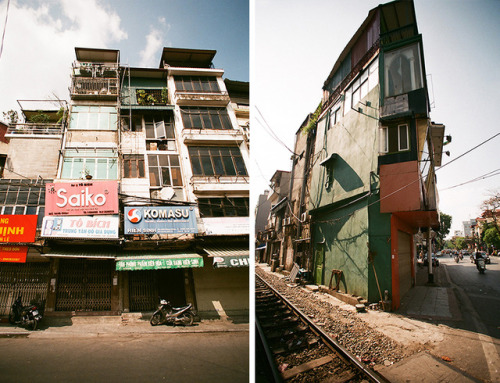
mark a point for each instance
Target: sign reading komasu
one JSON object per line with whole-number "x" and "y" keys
{"x": 160, "y": 220}
{"x": 81, "y": 198}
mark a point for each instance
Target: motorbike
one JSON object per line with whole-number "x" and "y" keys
{"x": 166, "y": 314}
{"x": 456, "y": 258}
{"x": 26, "y": 316}
{"x": 481, "y": 265}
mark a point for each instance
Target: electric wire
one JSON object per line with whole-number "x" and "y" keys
{"x": 4, "y": 27}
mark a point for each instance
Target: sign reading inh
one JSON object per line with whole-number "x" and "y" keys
{"x": 160, "y": 220}
{"x": 17, "y": 228}
{"x": 15, "y": 254}
{"x": 97, "y": 227}
{"x": 81, "y": 198}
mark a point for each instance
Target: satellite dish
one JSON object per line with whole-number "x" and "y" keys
{"x": 167, "y": 193}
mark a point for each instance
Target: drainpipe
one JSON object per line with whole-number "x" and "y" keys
{"x": 429, "y": 256}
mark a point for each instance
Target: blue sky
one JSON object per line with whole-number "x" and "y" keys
{"x": 297, "y": 43}
{"x": 41, "y": 36}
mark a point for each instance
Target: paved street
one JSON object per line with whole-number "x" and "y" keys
{"x": 482, "y": 290}
{"x": 193, "y": 357}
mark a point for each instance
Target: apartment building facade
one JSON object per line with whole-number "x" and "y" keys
{"x": 145, "y": 189}
{"x": 376, "y": 150}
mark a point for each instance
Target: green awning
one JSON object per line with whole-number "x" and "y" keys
{"x": 133, "y": 261}
{"x": 229, "y": 256}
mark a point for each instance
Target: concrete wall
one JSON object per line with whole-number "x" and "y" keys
{"x": 31, "y": 157}
{"x": 229, "y": 286}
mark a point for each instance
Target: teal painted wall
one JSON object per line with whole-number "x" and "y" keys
{"x": 344, "y": 235}
{"x": 344, "y": 224}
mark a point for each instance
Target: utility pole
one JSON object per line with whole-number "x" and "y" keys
{"x": 429, "y": 256}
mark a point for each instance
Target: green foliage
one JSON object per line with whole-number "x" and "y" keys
{"x": 40, "y": 118}
{"x": 460, "y": 243}
{"x": 11, "y": 116}
{"x": 491, "y": 237}
{"x": 164, "y": 95}
{"x": 312, "y": 121}
{"x": 444, "y": 228}
{"x": 144, "y": 98}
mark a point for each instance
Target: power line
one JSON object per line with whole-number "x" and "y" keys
{"x": 270, "y": 131}
{"x": 4, "y": 27}
{"x": 484, "y": 176}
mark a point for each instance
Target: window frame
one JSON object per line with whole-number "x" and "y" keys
{"x": 197, "y": 84}
{"x": 229, "y": 207}
{"x": 86, "y": 156}
{"x": 211, "y": 159}
{"x": 206, "y": 118}
{"x": 135, "y": 163}
{"x": 174, "y": 170}
{"x": 79, "y": 122}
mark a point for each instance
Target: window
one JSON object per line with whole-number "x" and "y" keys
{"x": 223, "y": 207}
{"x": 133, "y": 166}
{"x": 402, "y": 71}
{"x": 394, "y": 139}
{"x": 205, "y": 118}
{"x": 217, "y": 161}
{"x": 359, "y": 89}
{"x": 164, "y": 170}
{"x": 93, "y": 118}
{"x": 101, "y": 164}
{"x": 23, "y": 197}
{"x": 334, "y": 116}
{"x": 159, "y": 132}
{"x": 131, "y": 123}
{"x": 196, "y": 84}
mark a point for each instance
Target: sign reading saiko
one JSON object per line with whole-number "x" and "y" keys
{"x": 81, "y": 198}
{"x": 160, "y": 220}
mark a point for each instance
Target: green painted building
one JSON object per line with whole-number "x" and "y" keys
{"x": 373, "y": 183}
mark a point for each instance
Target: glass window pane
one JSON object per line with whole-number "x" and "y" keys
{"x": 174, "y": 160}
{"x": 207, "y": 123}
{"x": 31, "y": 210}
{"x": 196, "y": 165}
{"x": 178, "y": 83}
{"x": 196, "y": 121}
{"x": 104, "y": 121}
{"x": 83, "y": 121}
{"x": 186, "y": 120}
{"x": 206, "y": 85}
{"x": 214, "y": 85}
{"x": 216, "y": 123}
{"x": 102, "y": 169}
{"x": 22, "y": 197}
{"x": 163, "y": 160}
{"x": 153, "y": 160}
{"x": 403, "y": 137}
{"x": 197, "y": 84}
{"x": 176, "y": 176}
{"x": 140, "y": 164}
{"x": 226, "y": 122}
{"x": 93, "y": 120}
{"x": 154, "y": 177}
{"x": 207, "y": 166}
{"x": 90, "y": 167}
{"x": 19, "y": 210}
{"x": 12, "y": 196}
{"x": 240, "y": 166}
{"x": 165, "y": 174}
{"x": 8, "y": 209}
{"x": 219, "y": 169}
{"x": 170, "y": 130}
{"x": 77, "y": 168}
{"x": 229, "y": 166}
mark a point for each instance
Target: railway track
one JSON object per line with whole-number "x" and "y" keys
{"x": 291, "y": 348}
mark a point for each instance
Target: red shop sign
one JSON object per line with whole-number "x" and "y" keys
{"x": 81, "y": 198}
{"x": 17, "y": 228}
{"x": 15, "y": 254}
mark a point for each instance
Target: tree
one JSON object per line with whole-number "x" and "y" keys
{"x": 11, "y": 116}
{"x": 491, "y": 207}
{"x": 491, "y": 237}
{"x": 444, "y": 229}
{"x": 460, "y": 243}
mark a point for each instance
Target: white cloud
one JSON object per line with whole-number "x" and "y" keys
{"x": 155, "y": 41}
{"x": 39, "y": 46}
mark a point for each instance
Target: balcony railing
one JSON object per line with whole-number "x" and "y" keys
{"x": 31, "y": 128}
{"x": 219, "y": 98}
{"x": 94, "y": 87}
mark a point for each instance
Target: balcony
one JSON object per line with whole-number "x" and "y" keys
{"x": 94, "y": 87}
{"x": 211, "y": 184}
{"x": 29, "y": 129}
{"x": 145, "y": 98}
{"x": 208, "y": 99}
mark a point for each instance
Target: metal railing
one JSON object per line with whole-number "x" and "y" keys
{"x": 88, "y": 86}
{"x": 34, "y": 128}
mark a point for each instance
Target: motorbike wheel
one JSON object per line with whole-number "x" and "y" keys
{"x": 33, "y": 323}
{"x": 155, "y": 319}
{"x": 188, "y": 319}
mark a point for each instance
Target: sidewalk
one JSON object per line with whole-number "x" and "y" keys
{"x": 124, "y": 325}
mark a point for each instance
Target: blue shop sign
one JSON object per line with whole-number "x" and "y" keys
{"x": 160, "y": 220}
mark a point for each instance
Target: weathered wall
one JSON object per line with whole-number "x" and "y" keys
{"x": 229, "y": 286}
{"x": 32, "y": 158}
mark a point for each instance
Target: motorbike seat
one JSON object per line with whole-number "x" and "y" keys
{"x": 182, "y": 308}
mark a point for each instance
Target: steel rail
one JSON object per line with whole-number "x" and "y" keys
{"x": 329, "y": 342}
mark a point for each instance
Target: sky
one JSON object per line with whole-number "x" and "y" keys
{"x": 296, "y": 44}
{"x": 41, "y": 35}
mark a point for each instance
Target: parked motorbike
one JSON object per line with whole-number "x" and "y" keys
{"x": 481, "y": 265}
{"x": 456, "y": 258}
{"x": 27, "y": 316}
{"x": 166, "y": 314}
